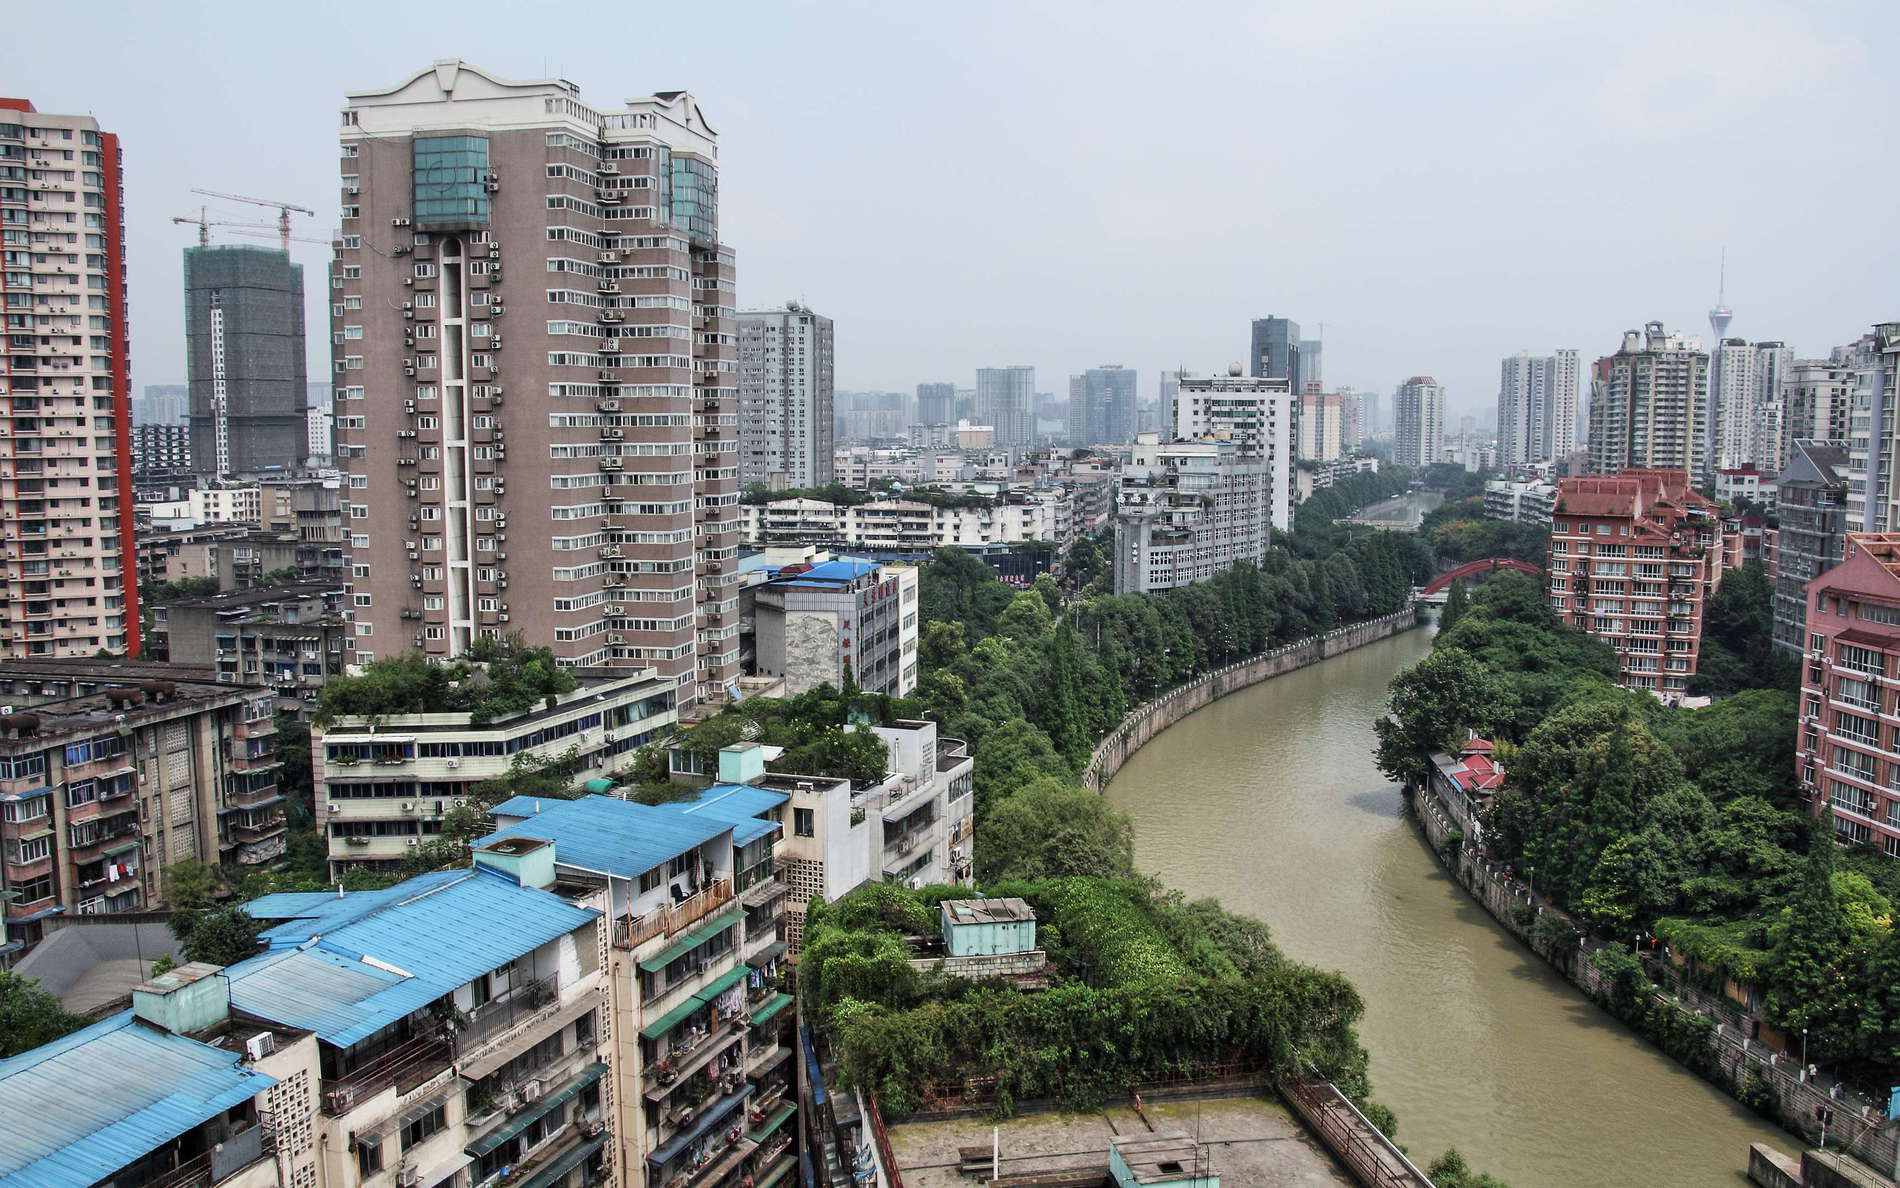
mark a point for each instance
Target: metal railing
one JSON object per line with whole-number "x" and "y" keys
{"x": 1363, "y": 1147}
{"x": 405, "y": 1066}
{"x": 631, "y": 932}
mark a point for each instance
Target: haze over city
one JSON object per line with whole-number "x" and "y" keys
{"x": 1073, "y": 185}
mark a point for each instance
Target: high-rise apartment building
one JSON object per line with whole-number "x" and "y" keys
{"x": 1634, "y": 560}
{"x": 936, "y": 404}
{"x": 244, "y": 353}
{"x": 1537, "y": 407}
{"x": 1846, "y": 757}
{"x": 66, "y": 465}
{"x": 1649, "y": 404}
{"x": 1352, "y": 414}
{"x": 580, "y": 487}
{"x": 1006, "y": 400}
{"x": 1274, "y": 351}
{"x": 1186, "y": 510}
{"x": 1418, "y": 427}
{"x": 1310, "y": 354}
{"x": 1254, "y": 413}
{"x": 1102, "y": 406}
{"x": 1322, "y": 426}
{"x": 1745, "y": 403}
{"x": 1811, "y": 502}
{"x": 785, "y": 397}
{"x": 1816, "y": 395}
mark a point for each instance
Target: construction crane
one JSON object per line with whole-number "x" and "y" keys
{"x": 283, "y": 211}
{"x": 204, "y": 223}
{"x": 274, "y": 235}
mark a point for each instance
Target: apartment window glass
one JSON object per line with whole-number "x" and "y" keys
{"x": 804, "y": 822}
{"x": 450, "y": 177}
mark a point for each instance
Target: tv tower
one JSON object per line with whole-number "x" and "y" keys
{"x": 1721, "y": 315}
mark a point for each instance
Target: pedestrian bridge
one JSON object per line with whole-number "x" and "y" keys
{"x": 1440, "y": 587}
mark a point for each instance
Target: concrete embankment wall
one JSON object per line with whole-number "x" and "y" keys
{"x": 1152, "y": 717}
{"x": 1802, "y": 1104}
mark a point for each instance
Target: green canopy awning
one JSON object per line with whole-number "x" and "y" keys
{"x": 726, "y": 982}
{"x": 785, "y": 1164}
{"x": 773, "y": 1121}
{"x": 552, "y": 1173}
{"x": 535, "y": 1112}
{"x": 773, "y": 1006}
{"x": 691, "y": 941}
{"x": 697, "y": 1002}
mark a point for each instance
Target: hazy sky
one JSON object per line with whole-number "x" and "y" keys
{"x": 962, "y": 185}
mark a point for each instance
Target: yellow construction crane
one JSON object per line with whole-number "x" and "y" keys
{"x": 283, "y": 211}
{"x": 205, "y": 223}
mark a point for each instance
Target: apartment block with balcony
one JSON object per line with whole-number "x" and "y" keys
{"x": 1634, "y": 561}
{"x": 1847, "y": 752}
{"x": 110, "y": 773}
{"x": 383, "y": 787}
{"x": 581, "y": 483}
{"x": 813, "y": 625}
{"x": 66, "y": 549}
{"x": 288, "y": 637}
{"x": 1187, "y": 510}
{"x": 702, "y": 1049}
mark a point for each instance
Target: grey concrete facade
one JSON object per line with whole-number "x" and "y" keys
{"x": 244, "y": 353}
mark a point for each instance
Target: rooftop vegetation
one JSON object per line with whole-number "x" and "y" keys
{"x": 494, "y": 679}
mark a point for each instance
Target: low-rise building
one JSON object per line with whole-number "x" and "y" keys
{"x": 384, "y": 785}
{"x": 1847, "y": 757}
{"x": 1634, "y": 560}
{"x": 1519, "y": 502}
{"x": 910, "y": 527}
{"x": 1740, "y": 484}
{"x": 1812, "y": 498}
{"x": 813, "y": 625}
{"x": 1186, "y": 510}
{"x": 109, "y": 773}
{"x": 171, "y": 555}
{"x": 288, "y": 637}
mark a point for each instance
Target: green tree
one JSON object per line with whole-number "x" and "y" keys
{"x": 1812, "y": 946}
{"x": 1456, "y": 600}
{"x": 1050, "y": 829}
{"x": 30, "y": 1016}
{"x": 1063, "y": 712}
{"x": 1026, "y": 619}
{"x": 1433, "y": 704}
{"x": 191, "y": 883}
{"x": 1450, "y": 1171}
{"x": 222, "y": 935}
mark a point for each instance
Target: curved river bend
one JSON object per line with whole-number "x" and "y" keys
{"x": 1269, "y": 801}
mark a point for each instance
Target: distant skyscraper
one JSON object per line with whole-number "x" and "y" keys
{"x": 1649, "y": 404}
{"x": 1102, "y": 406}
{"x": 66, "y": 505}
{"x": 1352, "y": 413}
{"x": 1371, "y": 416}
{"x": 1815, "y": 395}
{"x": 785, "y": 398}
{"x": 244, "y": 354}
{"x": 1536, "y": 415}
{"x": 1165, "y": 394}
{"x": 1310, "y": 363}
{"x": 936, "y": 404}
{"x": 1275, "y": 350}
{"x": 1418, "y": 433}
{"x": 1321, "y": 426}
{"x": 165, "y": 404}
{"x": 1745, "y": 402}
{"x": 1006, "y": 399}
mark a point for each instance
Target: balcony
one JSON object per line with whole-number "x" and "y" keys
{"x": 404, "y": 1066}
{"x": 224, "y": 1160}
{"x": 632, "y": 932}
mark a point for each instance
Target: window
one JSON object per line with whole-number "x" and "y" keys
{"x": 650, "y": 881}
{"x": 450, "y": 175}
{"x": 369, "y": 1157}
{"x": 804, "y": 822}
{"x": 421, "y": 1128}
{"x": 1861, "y": 659}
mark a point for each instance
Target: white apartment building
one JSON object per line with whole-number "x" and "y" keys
{"x": 208, "y": 505}
{"x": 1322, "y": 426}
{"x": 1186, "y": 510}
{"x": 66, "y": 454}
{"x": 1816, "y": 396}
{"x": 1256, "y": 414}
{"x": 1526, "y": 502}
{"x": 1418, "y": 430}
{"x": 1746, "y": 403}
{"x": 1873, "y": 447}
{"x": 907, "y": 526}
{"x": 383, "y": 786}
{"x": 785, "y": 398}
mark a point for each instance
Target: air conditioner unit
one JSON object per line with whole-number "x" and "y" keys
{"x": 408, "y": 806}
{"x": 452, "y": 763}
{"x": 408, "y": 1177}
{"x": 493, "y": 187}
{"x": 415, "y": 841}
{"x": 504, "y": 616}
{"x": 531, "y": 1091}
{"x": 260, "y": 1045}
{"x": 399, "y": 222}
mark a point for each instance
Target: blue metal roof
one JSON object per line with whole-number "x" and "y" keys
{"x": 830, "y": 571}
{"x": 622, "y": 838}
{"x": 738, "y": 805}
{"x": 87, "y": 1104}
{"x": 373, "y": 958}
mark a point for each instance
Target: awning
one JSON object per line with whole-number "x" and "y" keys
{"x": 784, "y": 1165}
{"x": 564, "y": 1164}
{"x": 767, "y": 955}
{"x": 548, "y": 1103}
{"x": 26, "y": 795}
{"x": 678, "y": 1014}
{"x": 121, "y": 848}
{"x": 664, "y": 1153}
{"x": 443, "y": 1171}
{"x": 773, "y": 1006}
{"x": 691, "y": 941}
{"x": 773, "y": 1121}
{"x": 475, "y": 1070}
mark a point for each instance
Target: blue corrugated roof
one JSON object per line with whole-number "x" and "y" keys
{"x": 91, "y": 1102}
{"x": 738, "y": 805}
{"x": 437, "y": 931}
{"x": 602, "y": 833}
{"x": 831, "y": 571}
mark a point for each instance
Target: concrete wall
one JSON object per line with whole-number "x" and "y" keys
{"x": 1152, "y": 717}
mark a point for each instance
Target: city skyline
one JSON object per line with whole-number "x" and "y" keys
{"x": 1460, "y": 279}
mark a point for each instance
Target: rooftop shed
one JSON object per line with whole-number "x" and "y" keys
{"x": 987, "y": 927}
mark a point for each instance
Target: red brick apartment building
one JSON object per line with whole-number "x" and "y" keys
{"x": 1848, "y": 751}
{"x": 1634, "y": 559}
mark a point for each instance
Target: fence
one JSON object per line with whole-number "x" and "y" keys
{"x": 1372, "y": 1157}
{"x": 1152, "y": 717}
{"x": 1813, "y": 1108}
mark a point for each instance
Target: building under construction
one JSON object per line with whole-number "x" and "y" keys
{"x": 244, "y": 341}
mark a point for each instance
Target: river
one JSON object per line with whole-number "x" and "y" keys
{"x": 1268, "y": 800}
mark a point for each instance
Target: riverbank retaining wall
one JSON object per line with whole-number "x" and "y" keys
{"x": 1152, "y": 717}
{"x": 1806, "y": 1107}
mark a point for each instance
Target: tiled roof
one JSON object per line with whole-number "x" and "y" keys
{"x": 85, "y": 1105}
{"x": 366, "y": 960}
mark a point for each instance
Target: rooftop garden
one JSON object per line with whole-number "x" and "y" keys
{"x": 1142, "y": 984}
{"x": 493, "y": 679}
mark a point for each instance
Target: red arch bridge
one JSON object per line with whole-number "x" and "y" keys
{"x": 1440, "y": 586}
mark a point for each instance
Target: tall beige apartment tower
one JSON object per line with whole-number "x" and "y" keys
{"x": 67, "y": 557}
{"x": 580, "y": 485}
